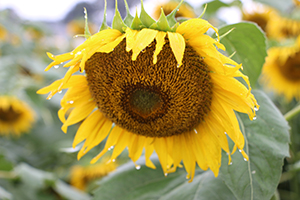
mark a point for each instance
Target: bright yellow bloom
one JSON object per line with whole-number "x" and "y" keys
{"x": 82, "y": 175}
{"x": 16, "y": 117}
{"x": 185, "y": 10}
{"x": 281, "y": 71}
{"x": 157, "y": 86}
{"x": 281, "y": 28}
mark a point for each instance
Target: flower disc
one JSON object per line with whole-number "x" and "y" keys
{"x": 154, "y": 100}
{"x": 291, "y": 68}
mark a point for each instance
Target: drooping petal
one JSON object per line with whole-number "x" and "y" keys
{"x": 177, "y": 44}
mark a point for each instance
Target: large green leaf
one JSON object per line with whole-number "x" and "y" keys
{"x": 266, "y": 144}
{"x": 248, "y": 43}
{"x": 127, "y": 183}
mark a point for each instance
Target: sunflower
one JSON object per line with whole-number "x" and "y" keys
{"x": 185, "y": 10}
{"x": 154, "y": 85}
{"x": 281, "y": 28}
{"x": 281, "y": 71}
{"x": 260, "y": 14}
{"x": 82, "y": 175}
{"x": 16, "y": 117}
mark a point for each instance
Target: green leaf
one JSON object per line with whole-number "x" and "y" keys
{"x": 162, "y": 22}
{"x": 249, "y": 44}
{"x": 104, "y": 25}
{"x": 147, "y": 183}
{"x": 214, "y": 6}
{"x": 87, "y": 33}
{"x": 266, "y": 143}
{"x": 117, "y": 22}
{"x": 145, "y": 18}
{"x": 136, "y": 23}
{"x": 128, "y": 19}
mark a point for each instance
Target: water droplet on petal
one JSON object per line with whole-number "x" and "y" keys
{"x": 56, "y": 66}
{"x": 245, "y": 159}
{"x": 138, "y": 167}
{"x": 114, "y": 160}
{"x": 195, "y": 131}
{"x": 166, "y": 174}
{"x": 254, "y": 118}
{"x": 178, "y": 65}
{"x": 225, "y": 133}
{"x": 71, "y": 102}
{"x": 230, "y": 163}
{"x": 255, "y": 108}
{"x": 60, "y": 91}
{"x": 240, "y": 150}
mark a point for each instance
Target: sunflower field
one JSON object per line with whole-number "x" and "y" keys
{"x": 146, "y": 100}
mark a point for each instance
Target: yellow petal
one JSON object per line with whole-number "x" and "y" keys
{"x": 148, "y": 152}
{"x": 177, "y": 44}
{"x": 130, "y": 38}
{"x": 123, "y": 141}
{"x": 143, "y": 39}
{"x": 87, "y": 127}
{"x": 160, "y": 41}
{"x": 194, "y": 27}
{"x": 111, "y": 141}
{"x": 78, "y": 113}
{"x": 109, "y": 47}
{"x": 161, "y": 150}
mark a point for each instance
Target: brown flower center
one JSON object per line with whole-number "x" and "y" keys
{"x": 9, "y": 115}
{"x": 291, "y": 68}
{"x": 154, "y": 100}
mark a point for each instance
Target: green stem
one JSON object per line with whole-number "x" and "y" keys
{"x": 292, "y": 113}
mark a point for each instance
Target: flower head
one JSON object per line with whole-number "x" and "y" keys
{"x": 260, "y": 14}
{"x": 281, "y": 71}
{"x": 16, "y": 117}
{"x": 280, "y": 28}
{"x": 82, "y": 175}
{"x": 156, "y": 85}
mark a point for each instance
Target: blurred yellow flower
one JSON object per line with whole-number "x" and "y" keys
{"x": 76, "y": 27}
{"x": 260, "y": 14}
{"x": 3, "y": 33}
{"x": 281, "y": 28}
{"x": 82, "y": 175}
{"x": 16, "y": 117}
{"x": 167, "y": 90}
{"x": 281, "y": 71}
